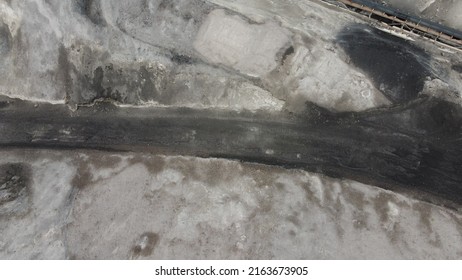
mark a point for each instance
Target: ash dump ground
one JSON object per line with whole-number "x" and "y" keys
{"x": 180, "y": 129}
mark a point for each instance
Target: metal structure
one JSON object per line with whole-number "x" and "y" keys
{"x": 437, "y": 32}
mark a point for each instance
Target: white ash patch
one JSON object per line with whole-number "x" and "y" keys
{"x": 233, "y": 42}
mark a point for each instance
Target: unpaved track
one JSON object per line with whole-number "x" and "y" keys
{"x": 415, "y": 147}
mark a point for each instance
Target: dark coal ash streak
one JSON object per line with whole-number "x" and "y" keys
{"x": 15, "y": 180}
{"x": 92, "y": 10}
{"x": 397, "y": 67}
{"x": 414, "y": 147}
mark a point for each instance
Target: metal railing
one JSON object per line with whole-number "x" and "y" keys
{"x": 410, "y": 23}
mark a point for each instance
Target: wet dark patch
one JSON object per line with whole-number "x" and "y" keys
{"x": 64, "y": 71}
{"x": 260, "y": 174}
{"x": 92, "y": 10}
{"x": 337, "y": 209}
{"x": 381, "y": 206}
{"x": 181, "y": 58}
{"x": 456, "y": 220}
{"x": 215, "y": 174}
{"x": 334, "y": 204}
{"x": 310, "y": 195}
{"x": 425, "y": 212}
{"x": 5, "y": 39}
{"x": 101, "y": 85}
{"x": 20, "y": 48}
{"x": 294, "y": 219}
{"x": 104, "y": 92}
{"x": 393, "y": 229}
{"x": 289, "y": 51}
{"x": 98, "y": 76}
{"x": 154, "y": 164}
{"x": 395, "y": 234}
{"x": 15, "y": 180}
{"x": 105, "y": 161}
{"x": 357, "y": 199}
{"x": 265, "y": 204}
{"x": 354, "y": 197}
{"x": 120, "y": 85}
{"x": 457, "y": 67}
{"x": 83, "y": 176}
{"x": 91, "y": 80}
{"x": 145, "y": 245}
{"x": 279, "y": 186}
{"x": 189, "y": 170}
{"x": 397, "y": 67}
{"x": 218, "y": 172}
{"x": 166, "y": 5}
{"x": 148, "y": 89}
